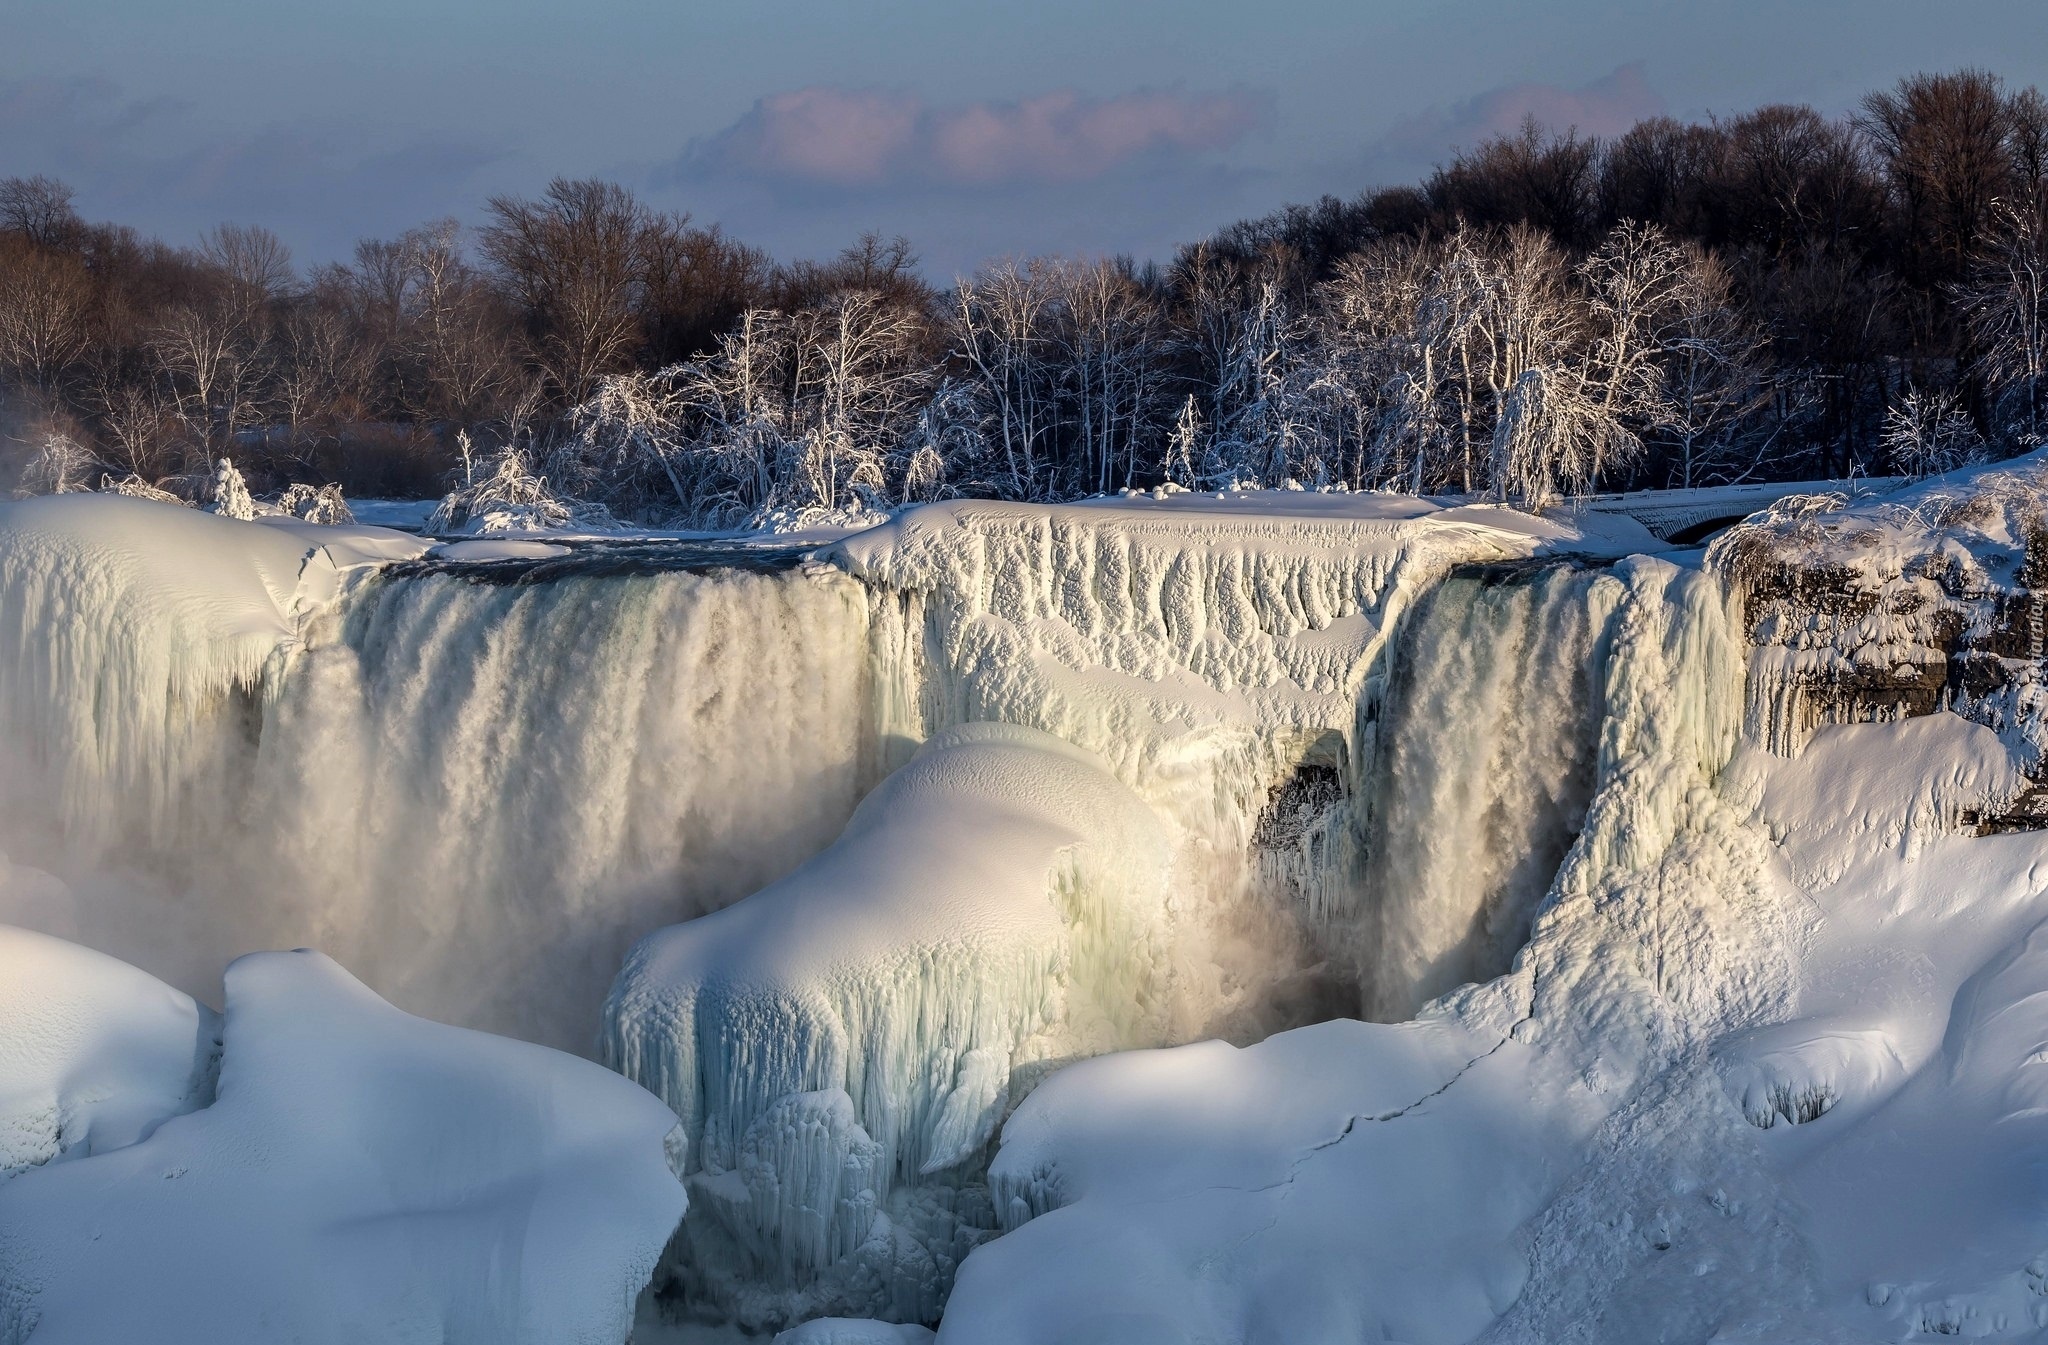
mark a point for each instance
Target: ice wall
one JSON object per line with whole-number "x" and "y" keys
{"x": 513, "y": 781}
{"x": 134, "y": 639}
{"x": 1209, "y": 649}
{"x": 842, "y": 1044}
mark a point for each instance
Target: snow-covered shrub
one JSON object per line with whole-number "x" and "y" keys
{"x": 136, "y": 488}
{"x": 626, "y": 447}
{"x": 61, "y": 465}
{"x": 513, "y": 498}
{"x": 1927, "y": 432}
{"x": 315, "y": 504}
{"x": 231, "y": 498}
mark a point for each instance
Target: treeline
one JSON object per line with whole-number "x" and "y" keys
{"x": 1774, "y": 295}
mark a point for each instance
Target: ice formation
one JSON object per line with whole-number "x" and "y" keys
{"x": 94, "y": 1055}
{"x": 1216, "y": 652}
{"x": 363, "y": 1176}
{"x": 1358, "y": 1181}
{"x": 842, "y": 1044}
{"x": 131, "y": 632}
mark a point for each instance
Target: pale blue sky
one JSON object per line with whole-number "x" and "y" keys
{"x": 975, "y": 129}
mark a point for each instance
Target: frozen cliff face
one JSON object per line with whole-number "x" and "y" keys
{"x": 363, "y": 1176}
{"x": 1224, "y": 655}
{"x": 1884, "y": 607}
{"x": 132, "y": 635}
{"x": 1516, "y": 1161}
{"x": 842, "y": 1045}
{"x": 94, "y": 1055}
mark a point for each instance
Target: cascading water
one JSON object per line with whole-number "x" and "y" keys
{"x": 1487, "y": 747}
{"x": 475, "y": 786}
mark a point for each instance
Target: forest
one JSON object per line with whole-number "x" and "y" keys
{"x": 1777, "y": 295}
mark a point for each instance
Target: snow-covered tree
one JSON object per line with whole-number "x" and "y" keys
{"x": 2004, "y": 304}
{"x": 1001, "y": 321}
{"x": 1926, "y": 432}
{"x": 134, "y": 487}
{"x": 1716, "y": 380}
{"x": 60, "y": 466}
{"x": 511, "y": 497}
{"x": 231, "y": 498}
{"x": 315, "y": 504}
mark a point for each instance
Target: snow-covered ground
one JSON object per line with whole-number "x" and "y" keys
{"x": 1737, "y": 845}
{"x": 363, "y": 1175}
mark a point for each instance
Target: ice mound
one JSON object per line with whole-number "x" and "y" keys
{"x": 363, "y": 1176}
{"x": 94, "y": 1054}
{"x": 842, "y": 1044}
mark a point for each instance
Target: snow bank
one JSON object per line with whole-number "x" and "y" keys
{"x": 363, "y": 1176}
{"x": 94, "y": 1054}
{"x": 1900, "y": 1106}
{"x": 842, "y": 1044}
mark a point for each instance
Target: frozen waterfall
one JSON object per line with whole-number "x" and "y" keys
{"x": 1487, "y": 747}
{"x": 473, "y": 786}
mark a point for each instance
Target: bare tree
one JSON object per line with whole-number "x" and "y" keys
{"x": 575, "y": 262}
{"x": 46, "y": 303}
{"x": 40, "y": 209}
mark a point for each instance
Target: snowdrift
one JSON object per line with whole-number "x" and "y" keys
{"x": 363, "y": 1176}
{"x": 842, "y": 1044}
{"x": 94, "y": 1055}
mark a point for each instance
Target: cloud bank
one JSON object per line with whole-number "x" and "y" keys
{"x": 856, "y": 139}
{"x": 1608, "y": 106}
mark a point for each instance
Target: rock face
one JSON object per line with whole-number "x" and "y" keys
{"x": 1887, "y": 608}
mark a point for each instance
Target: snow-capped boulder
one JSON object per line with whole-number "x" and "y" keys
{"x": 94, "y": 1055}
{"x": 364, "y": 1175}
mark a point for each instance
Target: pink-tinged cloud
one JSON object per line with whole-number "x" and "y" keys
{"x": 866, "y": 138}
{"x": 1606, "y": 107}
